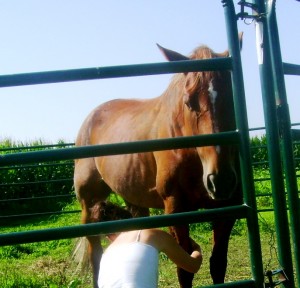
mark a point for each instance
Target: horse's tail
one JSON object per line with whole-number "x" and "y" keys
{"x": 80, "y": 256}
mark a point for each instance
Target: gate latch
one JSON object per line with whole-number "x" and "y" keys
{"x": 244, "y": 15}
{"x": 279, "y": 277}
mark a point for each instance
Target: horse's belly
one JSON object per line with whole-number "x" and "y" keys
{"x": 132, "y": 176}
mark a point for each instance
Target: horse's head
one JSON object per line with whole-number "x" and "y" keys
{"x": 209, "y": 108}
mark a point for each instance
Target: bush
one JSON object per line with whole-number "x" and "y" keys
{"x": 38, "y": 187}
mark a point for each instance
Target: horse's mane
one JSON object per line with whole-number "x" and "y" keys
{"x": 202, "y": 78}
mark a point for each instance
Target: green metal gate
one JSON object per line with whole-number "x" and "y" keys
{"x": 239, "y": 137}
{"x": 279, "y": 136}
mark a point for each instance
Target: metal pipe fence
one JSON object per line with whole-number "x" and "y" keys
{"x": 263, "y": 197}
{"x": 13, "y": 182}
{"x": 239, "y": 138}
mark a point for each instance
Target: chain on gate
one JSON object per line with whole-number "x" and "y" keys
{"x": 277, "y": 276}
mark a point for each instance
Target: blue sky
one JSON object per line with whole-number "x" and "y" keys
{"x": 56, "y": 35}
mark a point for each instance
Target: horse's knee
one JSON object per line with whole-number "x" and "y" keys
{"x": 185, "y": 278}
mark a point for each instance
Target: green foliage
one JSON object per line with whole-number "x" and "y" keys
{"x": 263, "y": 190}
{"x": 259, "y": 151}
{"x": 262, "y": 173}
{"x": 49, "y": 264}
{"x": 47, "y": 187}
{"x": 297, "y": 155}
{"x": 22, "y": 186}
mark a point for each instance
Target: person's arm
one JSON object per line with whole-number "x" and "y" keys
{"x": 197, "y": 252}
{"x": 167, "y": 244}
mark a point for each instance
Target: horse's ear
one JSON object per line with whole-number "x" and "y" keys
{"x": 172, "y": 55}
{"x": 226, "y": 53}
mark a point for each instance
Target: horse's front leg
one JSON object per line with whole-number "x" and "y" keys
{"x": 218, "y": 259}
{"x": 181, "y": 234}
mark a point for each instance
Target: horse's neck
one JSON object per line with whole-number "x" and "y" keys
{"x": 173, "y": 112}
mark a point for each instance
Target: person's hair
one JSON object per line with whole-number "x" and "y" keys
{"x": 107, "y": 211}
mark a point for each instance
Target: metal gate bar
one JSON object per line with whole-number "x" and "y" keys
{"x": 242, "y": 283}
{"x": 278, "y": 127}
{"x": 285, "y": 133}
{"x": 114, "y": 72}
{"x": 244, "y": 147}
{"x": 120, "y": 148}
{"x": 82, "y": 230}
{"x": 290, "y": 69}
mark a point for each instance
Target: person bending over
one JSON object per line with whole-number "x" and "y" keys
{"x": 131, "y": 260}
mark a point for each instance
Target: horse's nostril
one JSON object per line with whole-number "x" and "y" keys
{"x": 211, "y": 178}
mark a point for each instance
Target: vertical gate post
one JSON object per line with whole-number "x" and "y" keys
{"x": 244, "y": 147}
{"x": 285, "y": 134}
{"x": 273, "y": 144}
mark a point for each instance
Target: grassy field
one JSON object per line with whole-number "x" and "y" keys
{"x": 49, "y": 264}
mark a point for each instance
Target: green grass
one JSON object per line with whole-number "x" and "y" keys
{"x": 44, "y": 264}
{"x": 49, "y": 264}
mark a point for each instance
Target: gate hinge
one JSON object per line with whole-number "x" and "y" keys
{"x": 244, "y": 15}
{"x": 280, "y": 278}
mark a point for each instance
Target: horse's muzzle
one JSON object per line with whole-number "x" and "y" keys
{"x": 221, "y": 186}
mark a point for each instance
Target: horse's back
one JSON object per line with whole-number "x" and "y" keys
{"x": 131, "y": 175}
{"x": 119, "y": 121}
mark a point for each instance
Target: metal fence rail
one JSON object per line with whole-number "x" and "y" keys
{"x": 224, "y": 138}
{"x": 227, "y": 138}
{"x": 69, "y": 181}
{"x": 278, "y": 131}
{"x": 115, "y": 72}
{"x": 239, "y": 137}
{"x": 291, "y": 69}
{"x": 278, "y": 128}
{"x": 124, "y": 225}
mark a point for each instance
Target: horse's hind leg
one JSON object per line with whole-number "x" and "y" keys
{"x": 90, "y": 189}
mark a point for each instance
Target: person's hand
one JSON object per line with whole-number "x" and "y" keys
{"x": 197, "y": 252}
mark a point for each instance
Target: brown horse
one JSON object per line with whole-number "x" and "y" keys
{"x": 177, "y": 180}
